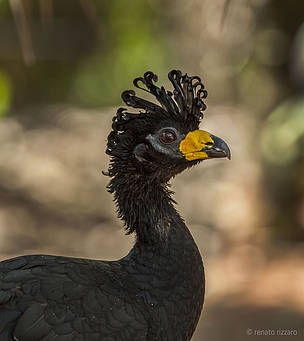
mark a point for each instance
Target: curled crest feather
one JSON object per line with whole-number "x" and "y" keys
{"x": 185, "y": 103}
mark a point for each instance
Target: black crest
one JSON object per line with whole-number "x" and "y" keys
{"x": 185, "y": 103}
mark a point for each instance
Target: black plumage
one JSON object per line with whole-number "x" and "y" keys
{"x": 156, "y": 292}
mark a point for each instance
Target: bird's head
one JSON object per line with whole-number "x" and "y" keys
{"x": 162, "y": 139}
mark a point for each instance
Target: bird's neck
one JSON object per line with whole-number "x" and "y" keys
{"x": 145, "y": 205}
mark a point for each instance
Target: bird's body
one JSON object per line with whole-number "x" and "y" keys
{"x": 154, "y": 293}
{"x": 140, "y": 297}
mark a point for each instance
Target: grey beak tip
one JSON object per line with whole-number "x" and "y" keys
{"x": 221, "y": 146}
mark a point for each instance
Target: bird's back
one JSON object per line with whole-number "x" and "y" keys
{"x": 66, "y": 299}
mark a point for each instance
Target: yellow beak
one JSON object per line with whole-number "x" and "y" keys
{"x": 200, "y": 145}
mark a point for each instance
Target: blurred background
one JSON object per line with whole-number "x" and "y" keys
{"x": 63, "y": 66}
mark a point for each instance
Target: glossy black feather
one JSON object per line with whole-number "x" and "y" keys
{"x": 154, "y": 293}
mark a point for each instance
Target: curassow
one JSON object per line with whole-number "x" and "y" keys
{"x": 156, "y": 292}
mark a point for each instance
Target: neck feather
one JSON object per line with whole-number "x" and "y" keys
{"x": 145, "y": 205}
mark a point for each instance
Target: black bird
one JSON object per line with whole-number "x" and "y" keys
{"x": 156, "y": 292}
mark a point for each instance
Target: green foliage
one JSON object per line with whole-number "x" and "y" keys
{"x": 80, "y": 61}
{"x": 283, "y": 132}
{"x": 5, "y": 93}
{"x": 132, "y": 44}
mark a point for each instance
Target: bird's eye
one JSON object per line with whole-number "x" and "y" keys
{"x": 168, "y": 136}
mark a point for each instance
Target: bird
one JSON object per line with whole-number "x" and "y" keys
{"x": 156, "y": 291}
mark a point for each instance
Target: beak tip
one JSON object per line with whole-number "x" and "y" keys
{"x": 228, "y": 154}
{"x": 222, "y": 146}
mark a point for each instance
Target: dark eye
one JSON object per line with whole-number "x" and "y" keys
{"x": 168, "y": 136}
